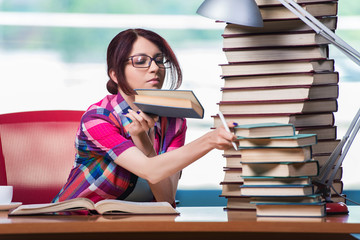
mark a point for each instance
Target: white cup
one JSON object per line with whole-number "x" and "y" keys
{"x": 6, "y": 194}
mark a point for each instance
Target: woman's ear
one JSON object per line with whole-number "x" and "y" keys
{"x": 113, "y": 76}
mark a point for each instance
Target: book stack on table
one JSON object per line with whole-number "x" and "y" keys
{"x": 280, "y": 73}
{"x": 277, "y": 167}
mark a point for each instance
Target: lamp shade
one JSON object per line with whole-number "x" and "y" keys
{"x": 241, "y": 12}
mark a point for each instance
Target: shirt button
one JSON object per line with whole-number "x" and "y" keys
{"x": 131, "y": 184}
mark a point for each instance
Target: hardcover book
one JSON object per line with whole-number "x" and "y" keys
{"x": 276, "y": 181}
{"x": 239, "y": 203}
{"x": 108, "y": 206}
{"x": 230, "y": 189}
{"x": 276, "y": 54}
{"x": 298, "y": 140}
{"x": 293, "y": 154}
{"x": 313, "y": 198}
{"x": 278, "y": 26}
{"x": 273, "y": 40}
{"x": 291, "y": 79}
{"x": 278, "y": 106}
{"x": 277, "y": 190}
{"x": 316, "y": 9}
{"x": 276, "y": 67}
{"x": 169, "y": 103}
{"x": 300, "y": 92}
{"x": 290, "y": 209}
{"x": 275, "y": 2}
{"x": 261, "y": 130}
{"x": 306, "y": 121}
{"x": 281, "y": 169}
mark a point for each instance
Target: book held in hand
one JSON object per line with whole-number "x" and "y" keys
{"x": 169, "y": 103}
{"x": 107, "y": 206}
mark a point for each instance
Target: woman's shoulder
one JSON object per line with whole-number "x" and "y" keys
{"x": 102, "y": 109}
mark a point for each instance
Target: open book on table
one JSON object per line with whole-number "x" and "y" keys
{"x": 107, "y": 206}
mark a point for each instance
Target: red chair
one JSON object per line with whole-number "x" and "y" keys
{"x": 37, "y": 152}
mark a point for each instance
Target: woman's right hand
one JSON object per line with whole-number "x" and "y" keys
{"x": 141, "y": 122}
{"x": 222, "y": 139}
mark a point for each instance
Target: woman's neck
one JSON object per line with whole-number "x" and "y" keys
{"x": 130, "y": 100}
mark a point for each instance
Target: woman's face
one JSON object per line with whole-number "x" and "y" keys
{"x": 151, "y": 77}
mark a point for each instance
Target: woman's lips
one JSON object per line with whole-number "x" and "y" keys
{"x": 154, "y": 81}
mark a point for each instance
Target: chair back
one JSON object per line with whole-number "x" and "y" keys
{"x": 37, "y": 152}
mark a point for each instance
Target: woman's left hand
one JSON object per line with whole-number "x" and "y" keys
{"x": 141, "y": 122}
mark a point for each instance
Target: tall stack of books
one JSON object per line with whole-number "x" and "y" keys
{"x": 280, "y": 73}
{"x": 277, "y": 167}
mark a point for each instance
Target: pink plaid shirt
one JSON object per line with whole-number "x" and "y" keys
{"x": 101, "y": 138}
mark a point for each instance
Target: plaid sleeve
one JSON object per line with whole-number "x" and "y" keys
{"x": 103, "y": 134}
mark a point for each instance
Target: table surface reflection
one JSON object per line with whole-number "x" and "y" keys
{"x": 191, "y": 220}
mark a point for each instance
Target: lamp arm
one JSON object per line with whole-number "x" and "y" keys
{"x": 329, "y": 164}
{"x": 323, "y": 181}
{"x": 321, "y": 29}
{"x": 353, "y": 130}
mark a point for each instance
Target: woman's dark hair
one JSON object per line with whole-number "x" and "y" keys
{"x": 118, "y": 54}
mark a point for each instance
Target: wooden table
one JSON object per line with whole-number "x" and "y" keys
{"x": 193, "y": 223}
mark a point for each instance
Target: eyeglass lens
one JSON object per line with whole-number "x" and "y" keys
{"x": 143, "y": 61}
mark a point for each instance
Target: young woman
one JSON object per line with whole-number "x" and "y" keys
{"x": 123, "y": 153}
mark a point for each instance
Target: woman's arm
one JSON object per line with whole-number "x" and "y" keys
{"x": 142, "y": 133}
{"x": 154, "y": 169}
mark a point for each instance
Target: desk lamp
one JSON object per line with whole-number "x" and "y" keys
{"x": 240, "y": 12}
{"x": 327, "y": 173}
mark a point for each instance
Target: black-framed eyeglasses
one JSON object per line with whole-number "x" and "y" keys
{"x": 144, "y": 61}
